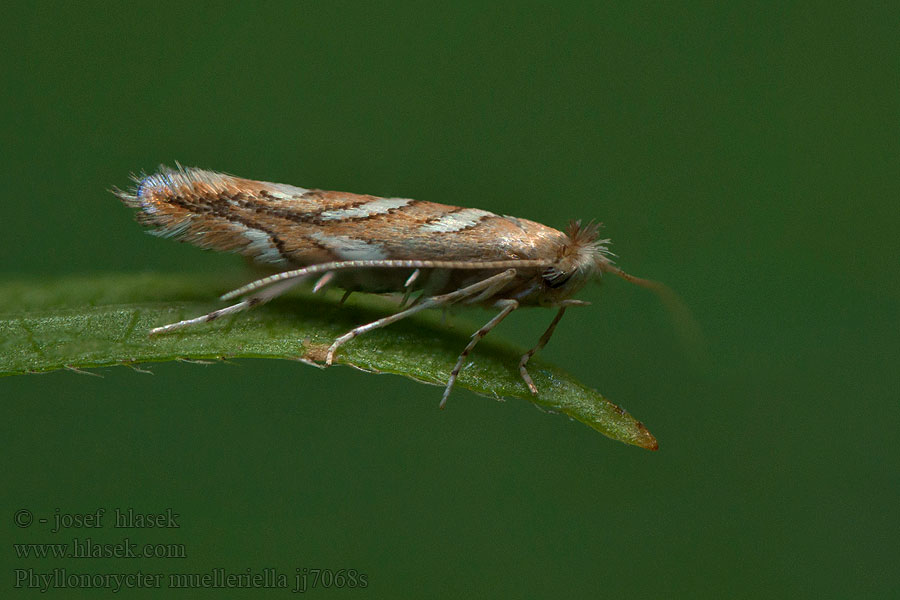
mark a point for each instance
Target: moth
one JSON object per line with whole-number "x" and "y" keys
{"x": 443, "y": 255}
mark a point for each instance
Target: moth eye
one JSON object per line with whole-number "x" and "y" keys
{"x": 555, "y": 278}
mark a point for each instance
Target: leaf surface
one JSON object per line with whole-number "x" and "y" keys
{"x": 102, "y": 321}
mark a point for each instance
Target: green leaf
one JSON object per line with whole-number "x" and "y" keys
{"x": 102, "y": 321}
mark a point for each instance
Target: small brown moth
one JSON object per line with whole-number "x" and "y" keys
{"x": 450, "y": 255}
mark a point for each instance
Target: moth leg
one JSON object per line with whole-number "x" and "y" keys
{"x": 543, "y": 342}
{"x": 508, "y": 307}
{"x": 409, "y": 280}
{"x": 431, "y": 302}
{"x": 323, "y": 281}
{"x": 409, "y": 288}
{"x": 487, "y": 293}
{"x": 405, "y": 299}
{"x": 247, "y": 303}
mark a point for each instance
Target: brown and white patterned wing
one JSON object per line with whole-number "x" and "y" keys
{"x": 286, "y": 225}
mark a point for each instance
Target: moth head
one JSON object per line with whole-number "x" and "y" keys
{"x": 581, "y": 256}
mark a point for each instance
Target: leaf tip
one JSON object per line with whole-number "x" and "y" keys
{"x": 644, "y": 439}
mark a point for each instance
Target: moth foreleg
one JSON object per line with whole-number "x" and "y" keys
{"x": 431, "y": 302}
{"x": 543, "y": 342}
{"x": 507, "y": 307}
{"x": 245, "y": 304}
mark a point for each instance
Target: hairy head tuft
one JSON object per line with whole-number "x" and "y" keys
{"x": 586, "y": 248}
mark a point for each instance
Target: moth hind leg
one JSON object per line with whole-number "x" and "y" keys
{"x": 245, "y": 304}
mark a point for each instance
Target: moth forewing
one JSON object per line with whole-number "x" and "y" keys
{"x": 449, "y": 254}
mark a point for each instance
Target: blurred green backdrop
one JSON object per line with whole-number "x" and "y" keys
{"x": 745, "y": 153}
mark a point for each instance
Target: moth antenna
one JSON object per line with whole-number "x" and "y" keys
{"x": 650, "y": 284}
{"x": 689, "y": 332}
{"x": 383, "y": 264}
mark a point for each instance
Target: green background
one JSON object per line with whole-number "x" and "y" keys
{"x": 744, "y": 153}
